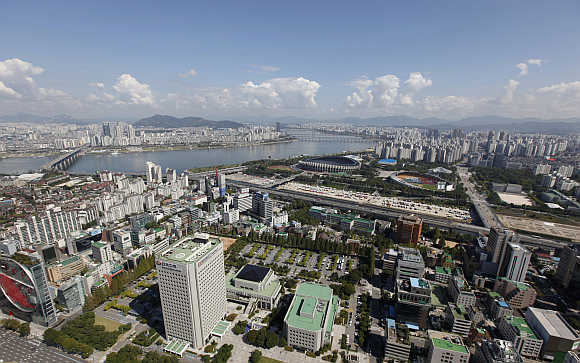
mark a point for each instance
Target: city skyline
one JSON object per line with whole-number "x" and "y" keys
{"x": 267, "y": 60}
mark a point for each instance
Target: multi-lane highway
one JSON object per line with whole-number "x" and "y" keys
{"x": 384, "y": 212}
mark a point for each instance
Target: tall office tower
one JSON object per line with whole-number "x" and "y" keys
{"x": 409, "y": 229}
{"x": 221, "y": 180}
{"x": 150, "y": 172}
{"x": 107, "y": 129}
{"x": 192, "y": 288}
{"x": 262, "y": 205}
{"x": 568, "y": 272}
{"x": 515, "y": 263}
{"x": 170, "y": 176}
{"x": 208, "y": 185}
{"x": 497, "y": 242}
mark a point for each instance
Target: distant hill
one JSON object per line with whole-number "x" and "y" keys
{"x": 35, "y": 119}
{"x": 170, "y": 122}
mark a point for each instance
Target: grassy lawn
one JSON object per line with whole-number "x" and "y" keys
{"x": 269, "y": 360}
{"x": 110, "y": 325}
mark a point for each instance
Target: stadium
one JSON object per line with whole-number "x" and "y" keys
{"x": 25, "y": 289}
{"x": 422, "y": 181}
{"x": 331, "y": 164}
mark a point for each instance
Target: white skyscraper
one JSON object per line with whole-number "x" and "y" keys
{"x": 153, "y": 171}
{"x": 192, "y": 288}
{"x": 516, "y": 262}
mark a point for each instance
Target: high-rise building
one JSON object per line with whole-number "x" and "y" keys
{"x": 221, "y": 181}
{"x": 24, "y": 284}
{"x": 262, "y": 205}
{"x": 51, "y": 226}
{"x": 409, "y": 229}
{"x": 153, "y": 172}
{"x": 397, "y": 342}
{"x": 568, "y": 272}
{"x": 413, "y": 300}
{"x": 242, "y": 201}
{"x": 497, "y": 243}
{"x": 170, "y": 176}
{"x": 515, "y": 263}
{"x": 192, "y": 288}
{"x": 518, "y": 295}
{"x": 516, "y": 330}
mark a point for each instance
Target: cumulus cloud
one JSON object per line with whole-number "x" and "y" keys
{"x": 8, "y": 92}
{"x": 191, "y": 73}
{"x": 16, "y": 68}
{"x": 380, "y": 92}
{"x": 131, "y": 91}
{"x": 509, "y": 91}
{"x": 417, "y": 82}
{"x": 280, "y": 93}
{"x": 100, "y": 85}
{"x": 523, "y": 67}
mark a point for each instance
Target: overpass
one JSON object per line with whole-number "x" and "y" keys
{"x": 63, "y": 161}
{"x": 389, "y": 213}
{"x": 202, "y": 174}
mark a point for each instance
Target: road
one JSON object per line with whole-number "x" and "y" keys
{"x": 384, "y": 212}
{"x": 486, "y": 214}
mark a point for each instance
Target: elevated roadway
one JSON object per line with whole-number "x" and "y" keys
{"x": 389, "y": 213}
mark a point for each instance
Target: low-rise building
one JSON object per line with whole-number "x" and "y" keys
{"x": 442, "y": 274}
{"x": 499, "y": 309}
{"x": 460, "y": 292}
{"x": 517, "y": 330}
{"x": 496, "y": 351}
{"x": 66, "y": 269}
{"x": 310, "y": 317}
{"x": 558, "y": 335}
{"x": 518, "y": 295}
{"x": 397, "y": 343}
{"x": 458, "y": 319}
{"x": 446, "y": 347}
{"x": 253, "y": 283}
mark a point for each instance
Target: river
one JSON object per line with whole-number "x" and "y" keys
{"x": 307, "y": 143}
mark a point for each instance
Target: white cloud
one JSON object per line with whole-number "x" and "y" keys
{"x": 280, "y": 93}
{"x": 131, "y": 91}
{"x": 16, "y": 68}
{"x": 100, "y": 85}
{"x": 380, "y": 92}
{"x": 417, "y": 82}
{"x": 191, "y": 73}
{"x": 8, "y": 92}
{"x": 523, "y": 67}
{"x": 562, "y": 88}
{"x": 509, "y": 91}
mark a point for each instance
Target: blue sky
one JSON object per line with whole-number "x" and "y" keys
{"x": 320, "y": 59}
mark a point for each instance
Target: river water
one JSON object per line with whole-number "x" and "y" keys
{"x": 307, "y": 143}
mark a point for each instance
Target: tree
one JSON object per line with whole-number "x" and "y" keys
{"x": 256, "y": 356}
{"x": 24, "y": 329}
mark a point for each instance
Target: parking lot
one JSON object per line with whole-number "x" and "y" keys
{"x": 293, "y": 258}
{"x": 23, "y": 350}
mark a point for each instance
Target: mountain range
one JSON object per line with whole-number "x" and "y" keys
{"x": 533, "y": 125}
{"x": 164, "y": 121}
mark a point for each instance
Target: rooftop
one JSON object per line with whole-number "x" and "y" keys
{"x": 309, "y": 307}
{"x": 523, "y": 327}
{"x": 448, "y": 345}
{"x": 190, "y": 249}
{"x": 554, "y": 323}
{"x": 98, "y": 244}
{"x": 253, "y": 273}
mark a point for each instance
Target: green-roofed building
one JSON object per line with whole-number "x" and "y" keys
{"x": 310, "y": 318}
{"x": 458, "y": 319}
{"x": 446, "y": 347}
{"x": 524, "y": 339}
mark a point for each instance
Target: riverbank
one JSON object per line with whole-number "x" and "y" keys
{"x": 156, "y": 148}
{"x": 42, "y": 154}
